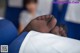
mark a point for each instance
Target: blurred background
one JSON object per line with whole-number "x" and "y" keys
{"x": 67, "y": 14}
{"x": 2, "y": 7}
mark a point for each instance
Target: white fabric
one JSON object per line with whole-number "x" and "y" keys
{"x": 25, "y": 18}
{"x": 36, "y": 42}
{"x": 73, "y": 12}
{"x": 45, "y": 6}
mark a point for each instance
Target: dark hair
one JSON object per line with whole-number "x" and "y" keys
{"x": 25, "y": 2}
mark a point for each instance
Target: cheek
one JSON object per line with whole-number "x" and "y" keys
{"x": 29, "y": 7}
{"x": 38, "y": 24}
{"x": 35, "y": 24}
{"x": 33, "y": 6}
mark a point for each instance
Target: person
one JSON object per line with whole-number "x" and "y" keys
{"x": 37, "y": 42}
{"x": 40, "y": 38}
{"x": 45, "y": 37}
{"x": 30, "y": 12}
{"x": 45, "y": 24}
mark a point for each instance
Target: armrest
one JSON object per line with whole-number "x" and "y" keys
{"x": 15, "y": 45}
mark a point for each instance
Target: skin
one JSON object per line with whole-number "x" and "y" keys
{"x": 42, "y": 24}
{"x": 31, "y": 7}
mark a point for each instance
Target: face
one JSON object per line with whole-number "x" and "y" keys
{"x": 43, "y": 24}
{"x": 32, "y": 7}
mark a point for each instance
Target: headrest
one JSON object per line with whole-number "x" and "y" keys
{"x": 8, "y": 32}
{"x": 15, "y": 3}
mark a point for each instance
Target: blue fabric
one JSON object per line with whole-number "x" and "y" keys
{"x": 8, "y": 32}
{"x": 12, "y": 14}
{"x": 60, "y": 15}
{"x": 73, "y": 30}
{"x": 15, "y": 45}
{"x": 55, "y": 11}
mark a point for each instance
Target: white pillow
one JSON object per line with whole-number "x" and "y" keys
{"x": 36, "y": 42}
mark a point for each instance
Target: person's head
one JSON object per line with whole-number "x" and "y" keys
{"x": 30, "y": 5}
{"x": 42, "y": 24}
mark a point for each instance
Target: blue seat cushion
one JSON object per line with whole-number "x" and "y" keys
{"x": 73, "y": 30}
{"x": 15, "y": 45}
{"x": 8, "y": 32}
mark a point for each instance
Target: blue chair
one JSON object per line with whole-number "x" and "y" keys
{"x": 8, "y": 32}
{"x": 73, "y": 30}
{"x": 15, "y": 45}
{"x": 12, "y": 14}
{"x": 59, "y": 14}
